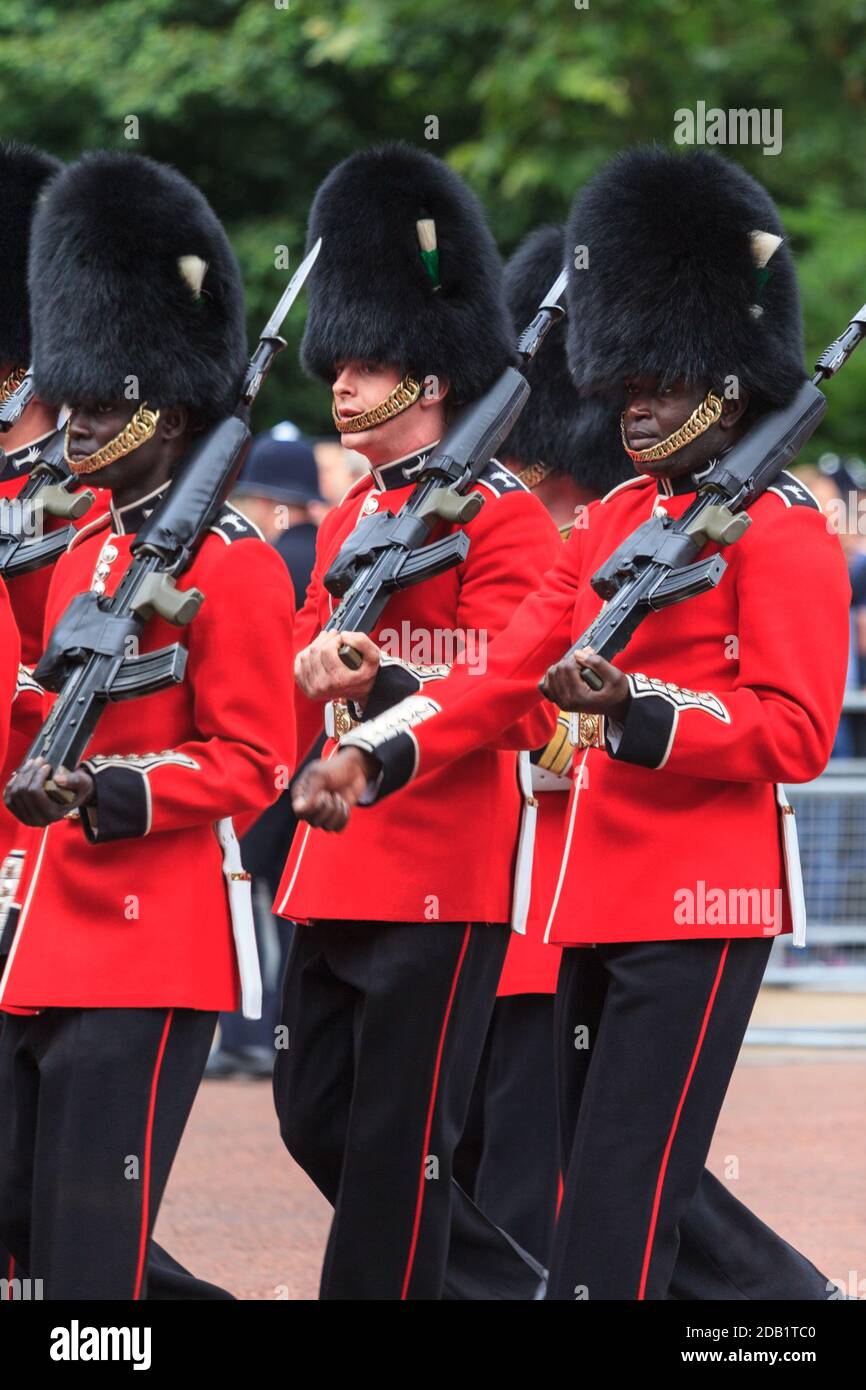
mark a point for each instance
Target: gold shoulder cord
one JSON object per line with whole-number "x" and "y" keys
{"x": 703, "y": 415}
{"x": 405, "y": 393}
{"x": 140, "y": 428}
{"x": 12, "y": 382}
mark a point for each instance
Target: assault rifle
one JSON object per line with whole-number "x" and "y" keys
{"x": 17, "y": 402}
{"x": 657, "y": 565}
{"x": 49, "y": 489}
{"x": 389, "y": 551}
{"x": 90, "y": 658}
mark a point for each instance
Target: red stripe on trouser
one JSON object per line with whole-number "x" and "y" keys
{"x": 10, "y": 1276}
{"x": 430, "y": 1108}
{"x": 148, "y": 1139}
{"x": 669, "y": 1145}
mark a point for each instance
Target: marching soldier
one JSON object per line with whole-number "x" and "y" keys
{"x": 123, "y": 953}
{"x": 690, "y": 303}
{"x": 393, "y": 969}
{"x": 569, "y": 453}
{"x": 24, "y": 172}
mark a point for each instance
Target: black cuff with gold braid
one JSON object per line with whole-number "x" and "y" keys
{"x": 396, "y": 680}
{"x": 121, "y": 806}
{"x": 390, "y": 740}
{"x": 644, "y": 735}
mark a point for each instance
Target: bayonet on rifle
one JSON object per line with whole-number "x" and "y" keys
{"x": 387, "y": 551}
{"x": 90, "y": 658}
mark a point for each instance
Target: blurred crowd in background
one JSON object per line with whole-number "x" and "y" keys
{"x": 840, "y": 486}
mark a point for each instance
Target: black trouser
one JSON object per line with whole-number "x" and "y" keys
{"x": 95, "y": 1102}
{"x": 728, "y": 1253}
{"x": 386, "y": 1026}
{"x": 508, "y": 1159}
{"x": 647, "y": 1036}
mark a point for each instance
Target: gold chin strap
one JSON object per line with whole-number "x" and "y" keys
{"x": 405, "y": 393}
{"x": 140, "y": 428}
{"x": 704, "y": 415}
{"x": 12, "y": 382}
{"x": 534, "y": 474}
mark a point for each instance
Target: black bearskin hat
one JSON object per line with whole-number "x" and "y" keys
{"x": 576, "y": 436}
{"x": 132, "y": 275}
{"x": 677, "y": 284}
{"x": 23, "y": 173}
{"x": 372, "y": 294}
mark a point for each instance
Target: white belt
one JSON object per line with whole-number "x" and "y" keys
{"x": 531, "y": 779}
{"x": 543, "y": 780}
{"x": 239, "y": 888}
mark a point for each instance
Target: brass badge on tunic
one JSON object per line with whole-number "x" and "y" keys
{"x": 590, "y": 731}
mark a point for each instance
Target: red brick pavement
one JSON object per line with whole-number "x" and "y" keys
{"x": 239, "y": 1212}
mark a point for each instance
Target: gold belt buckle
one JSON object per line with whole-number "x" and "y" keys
{"x": 590, "y": 731}
{"x": 343, "y": 721}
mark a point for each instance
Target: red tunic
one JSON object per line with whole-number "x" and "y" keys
{"x": 445, "y": 850}
{"x": 673, "y": 828}
{"x": 127, "y": 907}
{"x": 27, "y": 595}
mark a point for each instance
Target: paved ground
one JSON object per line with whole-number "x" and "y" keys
{"x": 239, "y": 1212}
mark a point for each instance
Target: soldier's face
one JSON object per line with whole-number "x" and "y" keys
{"x": 654, "y": 411}
{"x": 92, "y": 425}
{"x": 360, "y": 386}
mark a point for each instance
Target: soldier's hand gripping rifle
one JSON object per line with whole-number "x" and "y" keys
{"x": 91, "y": 655}
{"x": 657, "y": 565}
{"x": 389, "y": 551}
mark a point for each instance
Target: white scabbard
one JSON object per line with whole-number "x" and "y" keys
{"x": 239, "y": 888}
{"x": 522, "y": 891}
{"x": 793, "y": 867}
{"x": 532, "y": 781}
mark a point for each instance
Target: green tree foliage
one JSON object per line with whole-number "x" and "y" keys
{"x": 256, "y": 99}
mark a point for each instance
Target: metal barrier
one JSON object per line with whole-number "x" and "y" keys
{"x": 831, "y": 824}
